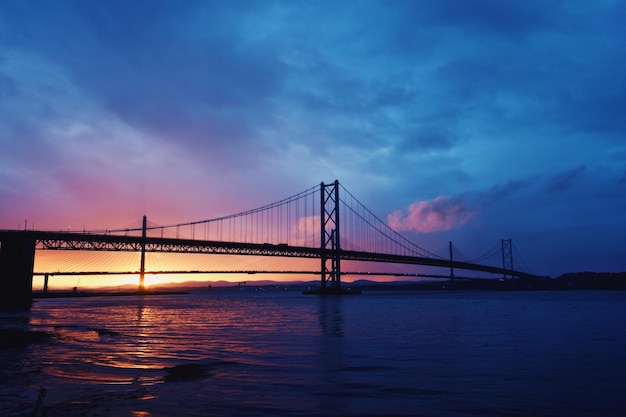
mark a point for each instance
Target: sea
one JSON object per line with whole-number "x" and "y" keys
{"x": 281, "y": 353}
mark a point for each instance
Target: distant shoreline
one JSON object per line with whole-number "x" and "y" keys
{"x": 97, "y": 293}
{"x": 565, "y": 282}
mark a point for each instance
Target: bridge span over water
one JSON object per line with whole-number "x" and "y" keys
{"x": 306, "y": 225}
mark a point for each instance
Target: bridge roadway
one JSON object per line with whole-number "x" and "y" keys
{"x": 97, "y": 242}
{"x": 17, "y": 255}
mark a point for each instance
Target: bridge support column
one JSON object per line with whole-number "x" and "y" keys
{"x": 451, "y": 267}
{"x": 17, "y": 260}
{"x": 142, "y": 266}
{"x": 507, "y": 257}
{"x": 330, "y": 241}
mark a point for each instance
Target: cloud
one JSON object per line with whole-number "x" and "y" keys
{"x": 491, "y": 16}
{"x": 564, "y": 180}
{"x": 306, "y": 231}
{"x": 502, "y": 191}
{"x": 441, "y": 214}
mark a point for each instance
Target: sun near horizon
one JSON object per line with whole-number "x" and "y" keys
{"x": 217, "y": 268}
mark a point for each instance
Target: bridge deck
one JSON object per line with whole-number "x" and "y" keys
{"x": 97, "y": 242}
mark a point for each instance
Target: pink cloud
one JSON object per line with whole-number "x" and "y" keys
{"x": 442, "y": 213}
{"x": 306, "y": 231}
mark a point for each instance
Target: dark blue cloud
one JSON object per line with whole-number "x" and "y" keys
{"x": 493, "y": 17}
{"x": 564, "y": 180}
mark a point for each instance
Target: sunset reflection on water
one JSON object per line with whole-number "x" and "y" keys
{"x": 117, "y": 334}
{"x": 283, "y": 354}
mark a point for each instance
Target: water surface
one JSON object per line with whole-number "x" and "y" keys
{"x": 285, "y": 354}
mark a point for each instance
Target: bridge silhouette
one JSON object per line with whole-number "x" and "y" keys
{"x": 306, "y": 225}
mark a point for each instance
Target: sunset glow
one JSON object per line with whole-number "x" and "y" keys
{"x": 452, "y": 123}
{"x": 312, "y": 208}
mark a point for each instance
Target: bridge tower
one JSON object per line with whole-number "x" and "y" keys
{"x": 330, "y": 246}
{"x": 507, "y": 257}
{"x": 17, "y": 260}
{"x": 330, "y": 238}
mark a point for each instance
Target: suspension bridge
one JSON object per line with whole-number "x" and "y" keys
{"x": 325, "y": 223}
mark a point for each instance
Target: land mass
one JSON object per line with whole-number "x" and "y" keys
{"x": 569, "y": 281}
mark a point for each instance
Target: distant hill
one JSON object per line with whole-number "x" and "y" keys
{"x": 568, "y": 281}
{"x": 591, "y": 281}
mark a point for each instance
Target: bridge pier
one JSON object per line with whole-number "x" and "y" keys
{"x": 17, "y": 261}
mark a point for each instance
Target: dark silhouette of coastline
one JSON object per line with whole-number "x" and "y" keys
{"x": 591, "y": 281}
{"x": 569, "y": 281}
{"x": 95, "y": 293}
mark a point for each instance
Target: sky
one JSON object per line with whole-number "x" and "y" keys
{"x": 464, "y": 121}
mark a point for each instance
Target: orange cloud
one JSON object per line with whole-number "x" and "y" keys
{"x": 442, "y": 213}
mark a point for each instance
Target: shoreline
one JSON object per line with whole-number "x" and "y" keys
{"x": 70, "y": 294}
